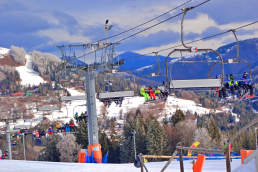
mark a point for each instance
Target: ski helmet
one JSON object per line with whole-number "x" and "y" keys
{"x": 217, "y": 76}
{"x": 143, "y": 86}
{"x": 231, "y": 76}
{"x": 245, "y": 73}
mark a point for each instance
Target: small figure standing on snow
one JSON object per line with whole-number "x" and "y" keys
{"x": 58, "y": 126}
{"x": 67, "y": 128}
{"x": 33, "y": 133}
{"x": 37, "y": 133}
{"x": 46, "y": 133}
{"x": 50, "y": 131}
{"x": 71, "y": 125}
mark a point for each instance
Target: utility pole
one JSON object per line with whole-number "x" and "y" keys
{"x": 24, "y": 154}
{"x": 134, "y": 143}
{"x": 8, "y": 140}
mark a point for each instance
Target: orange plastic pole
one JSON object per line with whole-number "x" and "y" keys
{"x": 97, "y": 154}
{"x": 81, "y": 157}
{"x": 198, "y": 166}
{"x": 244, "y": 154}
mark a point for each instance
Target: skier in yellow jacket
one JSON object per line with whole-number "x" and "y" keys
{"x": 144, "y": 93}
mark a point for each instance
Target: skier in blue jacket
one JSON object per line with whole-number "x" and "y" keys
{"x": 246, "y": 84}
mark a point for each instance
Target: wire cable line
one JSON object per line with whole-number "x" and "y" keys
{"x": 151, "y": 26}
{"x": 195, "y": 40}
{"x": 143, "y": 23}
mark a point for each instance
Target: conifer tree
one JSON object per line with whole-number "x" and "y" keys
{"x": 82, "y": 135}
{"x": 178, "y": 116}
{"x": 51, "y": 152}
{"x": 156, "y": 139}
{"x": 127, "y": 151}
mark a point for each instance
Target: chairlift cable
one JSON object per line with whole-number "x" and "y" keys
{"x": 160, "y": 22}
{"x": 194, "y": 40}
{"x": 142, "y": 23}
{"x": 152, "y": 26}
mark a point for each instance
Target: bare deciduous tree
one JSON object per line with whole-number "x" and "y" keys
{"x": 18, "y": 54}
{"x": 185, "y": 130}
{"x": 68, "y": 148}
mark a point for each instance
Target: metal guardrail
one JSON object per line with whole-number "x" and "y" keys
{"x": 189, "y": 157}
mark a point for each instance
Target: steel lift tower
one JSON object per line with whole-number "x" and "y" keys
{"x": 106, "y": 63}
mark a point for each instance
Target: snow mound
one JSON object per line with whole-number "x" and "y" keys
{"x": 3, "y": 51}
{"x": 250, "y": 167}
{"x": 27, "y": 74}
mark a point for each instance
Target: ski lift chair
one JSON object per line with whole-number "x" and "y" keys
{"x": 110, "y": 89}
{"x": 235, "y": 60}
{"x": 199, "y": 84}
{"x": 152, "y": 75}
{"x": 47, "y": 107}
{"x": 114, "y": 95}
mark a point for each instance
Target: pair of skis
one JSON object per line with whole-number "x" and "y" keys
{"x": 230, "y": 98}
{"x": 244, "y": 97}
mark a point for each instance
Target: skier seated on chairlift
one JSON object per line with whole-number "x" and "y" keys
{"x": 86, "y": 116}
{"x": 82, "y": 117}
{"x": 245, "y": 83}
{"x": 158, "y": 93}
{"x": 58, "y": 126}
{"x": 144, "y": 93}
{"x": 222, "y": 91}
{"x": 165, "y": 91}
{"x": 76, "y": 117}
{"x": 151, "y": 93}
{"x": 233, "y": 85}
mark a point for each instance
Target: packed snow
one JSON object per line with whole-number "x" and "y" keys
{"x": 3, "y": 51}
{"x": 145, "y": 67}
{"x": 27, "y": 74}
{"x": 250, "y": 167}
{"x": 32, "y": 166}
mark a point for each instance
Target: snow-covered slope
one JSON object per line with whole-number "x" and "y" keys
{"x": 3, "y": 51}
{"x": 40, "y": 166}
{"x": 67, "y": 112}
{"x": 250, "y": 167}
{"x": 27, "y": 74}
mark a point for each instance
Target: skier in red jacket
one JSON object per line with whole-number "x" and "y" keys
{"x": 151, "y": 93}
{"x": 71, "y": 126}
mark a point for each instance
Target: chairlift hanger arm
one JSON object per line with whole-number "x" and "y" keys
{"x": 156, "y": 54}
{"x": 237, "y": 61}
{"x": 234, "y": 32}
{"x": 182, "y": 26}
{"x": 155, "y": 74}
{"x": 147, "y": 75}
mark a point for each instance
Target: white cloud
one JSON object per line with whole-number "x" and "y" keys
{"x": 211, "y": 43}
{"x": 60, "y": 35}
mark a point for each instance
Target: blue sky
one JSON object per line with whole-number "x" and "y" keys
{"x": 40, "y": 25}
